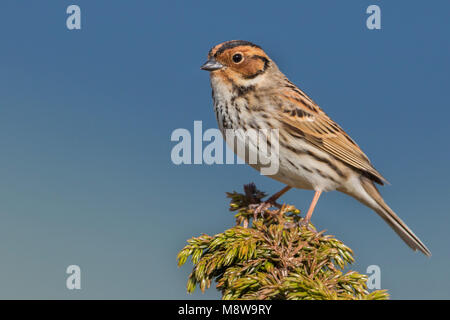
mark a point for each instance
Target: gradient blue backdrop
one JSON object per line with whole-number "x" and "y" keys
{"x": 86, "y": 118}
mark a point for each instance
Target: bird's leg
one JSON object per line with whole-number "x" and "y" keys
{"x": 271, "y": 201}
{"x": 307, "y": 219}
{"x": 277, "y": 195}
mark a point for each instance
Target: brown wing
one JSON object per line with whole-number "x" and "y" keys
{"x": 304, "y": 119}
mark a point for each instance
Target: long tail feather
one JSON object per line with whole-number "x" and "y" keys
{"x": 383, "y": 210}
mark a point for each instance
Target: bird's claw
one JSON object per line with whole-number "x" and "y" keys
{"x": 260, "y": 208}
{"x": 307, "y": 224}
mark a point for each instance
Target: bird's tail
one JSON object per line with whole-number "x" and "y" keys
{"x": 377, "y": 203}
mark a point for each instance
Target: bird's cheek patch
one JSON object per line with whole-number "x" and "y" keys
{"x": 252, "y": 67}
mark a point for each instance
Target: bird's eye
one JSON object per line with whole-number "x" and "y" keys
{"x": 237, "y": 58}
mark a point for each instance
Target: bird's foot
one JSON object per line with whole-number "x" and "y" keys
{"x": 260, "y": 208}
{"x": 307, "y": 223}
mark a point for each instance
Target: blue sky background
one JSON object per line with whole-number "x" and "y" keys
{"x": 86, "y": 118}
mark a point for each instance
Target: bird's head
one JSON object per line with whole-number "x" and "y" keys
{"x": 237, "y": 60}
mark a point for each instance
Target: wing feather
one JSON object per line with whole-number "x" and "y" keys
{"x": 322, "y": 132}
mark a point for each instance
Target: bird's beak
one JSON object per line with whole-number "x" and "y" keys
{"x": 211, "y": 65}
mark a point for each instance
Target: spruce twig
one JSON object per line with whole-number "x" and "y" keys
{"x": 274, "y": 258}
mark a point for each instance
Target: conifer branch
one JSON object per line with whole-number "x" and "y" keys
{"x": 273, "y": 258}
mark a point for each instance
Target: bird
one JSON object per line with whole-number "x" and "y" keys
{"x": 315, "y": 153}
